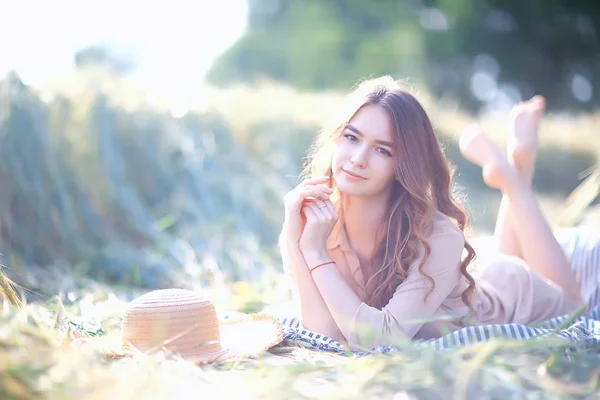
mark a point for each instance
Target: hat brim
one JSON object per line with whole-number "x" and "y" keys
{"x": 251, "y": 334}
{"x": 245, "y": 336}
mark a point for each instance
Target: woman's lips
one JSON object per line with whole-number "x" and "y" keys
{"x": 353, "y": 175}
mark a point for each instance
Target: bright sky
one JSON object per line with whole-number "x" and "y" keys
{"x": 174, "y": 42}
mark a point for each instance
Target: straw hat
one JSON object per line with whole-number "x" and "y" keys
{"x": 185, "y": 323}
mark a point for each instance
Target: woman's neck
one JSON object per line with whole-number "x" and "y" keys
{"x": 363, "y": 219}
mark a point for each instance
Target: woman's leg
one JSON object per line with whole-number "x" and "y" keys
{"x": 539, "y": 247}
{"x": 521, "y": 152}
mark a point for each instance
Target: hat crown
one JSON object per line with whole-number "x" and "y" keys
{"x": 176, "y": 319}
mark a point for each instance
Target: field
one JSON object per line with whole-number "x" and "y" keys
{"x": 108, "y": 194}
{"x": 56, "y": 350}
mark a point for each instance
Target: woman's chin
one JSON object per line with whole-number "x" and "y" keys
{"x": 349, "y": 189}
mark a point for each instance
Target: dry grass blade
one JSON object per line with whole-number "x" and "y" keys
{"x": 564, "y": 387}
{"x": 7, "y": 290}
{"x": 580, "y": 199}
{"x": 472, "y": 368}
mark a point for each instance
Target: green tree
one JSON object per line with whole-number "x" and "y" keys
{"x": 476, "y": 51}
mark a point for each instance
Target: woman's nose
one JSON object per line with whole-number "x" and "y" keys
{"x": 359, "y": 158}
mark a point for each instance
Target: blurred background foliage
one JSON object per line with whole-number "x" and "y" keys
{"x": 479, "y": 53}
{"x": 100, "y": 183}
{"x": 131, "y": 197}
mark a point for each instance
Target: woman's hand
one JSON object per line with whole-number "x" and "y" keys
{"x": 307, "y": 190}
{"x": 321, "y": 217}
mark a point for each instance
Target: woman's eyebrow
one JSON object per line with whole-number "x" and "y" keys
{"x": 359, "y": 133}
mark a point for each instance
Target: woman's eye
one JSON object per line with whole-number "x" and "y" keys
{"x": 384, "y": 152}
{"x": 351, "y": 137}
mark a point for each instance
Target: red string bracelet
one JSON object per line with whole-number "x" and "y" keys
{"x": 320, "y": 265}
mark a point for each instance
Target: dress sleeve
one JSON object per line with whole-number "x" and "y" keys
{"x": 408, "y": 309}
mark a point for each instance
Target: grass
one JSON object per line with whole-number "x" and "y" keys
{"x": 51, "y": 345}
{"x": 56, "y": 351}
{"x": 7, "y": 290}
{"x": 277, "y": 123}
{"x": 246, "y": 106}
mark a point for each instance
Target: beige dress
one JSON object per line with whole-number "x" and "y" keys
{"x": 507, "y": 291}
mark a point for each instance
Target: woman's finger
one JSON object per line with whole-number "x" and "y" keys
{"x": 317, "y": 211}
{"x": 317, "y": 192}
{"x": 328, "y": 210}
{"x": 325, "y": 208}
{"x": 318, "y": 202}
{"x": 331, "y": 208}
{"x": 308, "y": 212}
{"x": 314, "y": 181}
{"x": 320, "y": 188}
{"x": 296, "y": 196}
{"x": 322, "y": 208}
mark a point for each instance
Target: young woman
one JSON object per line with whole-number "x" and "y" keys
{"x": 374, "y": 242}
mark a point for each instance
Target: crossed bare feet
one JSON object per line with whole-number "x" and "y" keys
{"x": 477, "y": 147}
{"x": 522, "y": 144}
{"x": 499, "y": 171}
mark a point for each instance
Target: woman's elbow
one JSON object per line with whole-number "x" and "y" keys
{"x": 311, "y": 323}
{"x": 382, "y": 329}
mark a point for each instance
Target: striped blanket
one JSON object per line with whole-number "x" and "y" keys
{"x": 582, "y": 247}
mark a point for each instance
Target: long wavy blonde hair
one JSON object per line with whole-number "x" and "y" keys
{"x": 423, "y": 185}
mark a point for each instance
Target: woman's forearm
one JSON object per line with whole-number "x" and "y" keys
{"x": 335, "y": 292}
{"x": 314, "y": 312}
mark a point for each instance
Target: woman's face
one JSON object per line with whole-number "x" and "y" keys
{"x": 364, "y": 160}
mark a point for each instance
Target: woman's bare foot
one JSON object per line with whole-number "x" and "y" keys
{"x": 479, "y": 148}
{"x": 522, "y": 141}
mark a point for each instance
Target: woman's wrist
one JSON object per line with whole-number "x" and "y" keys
{"x": 313, "y": 268}
{"x": 287, "y": 235}
{"x": 315, "y": 257}
{"x": 292, "y": 240}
